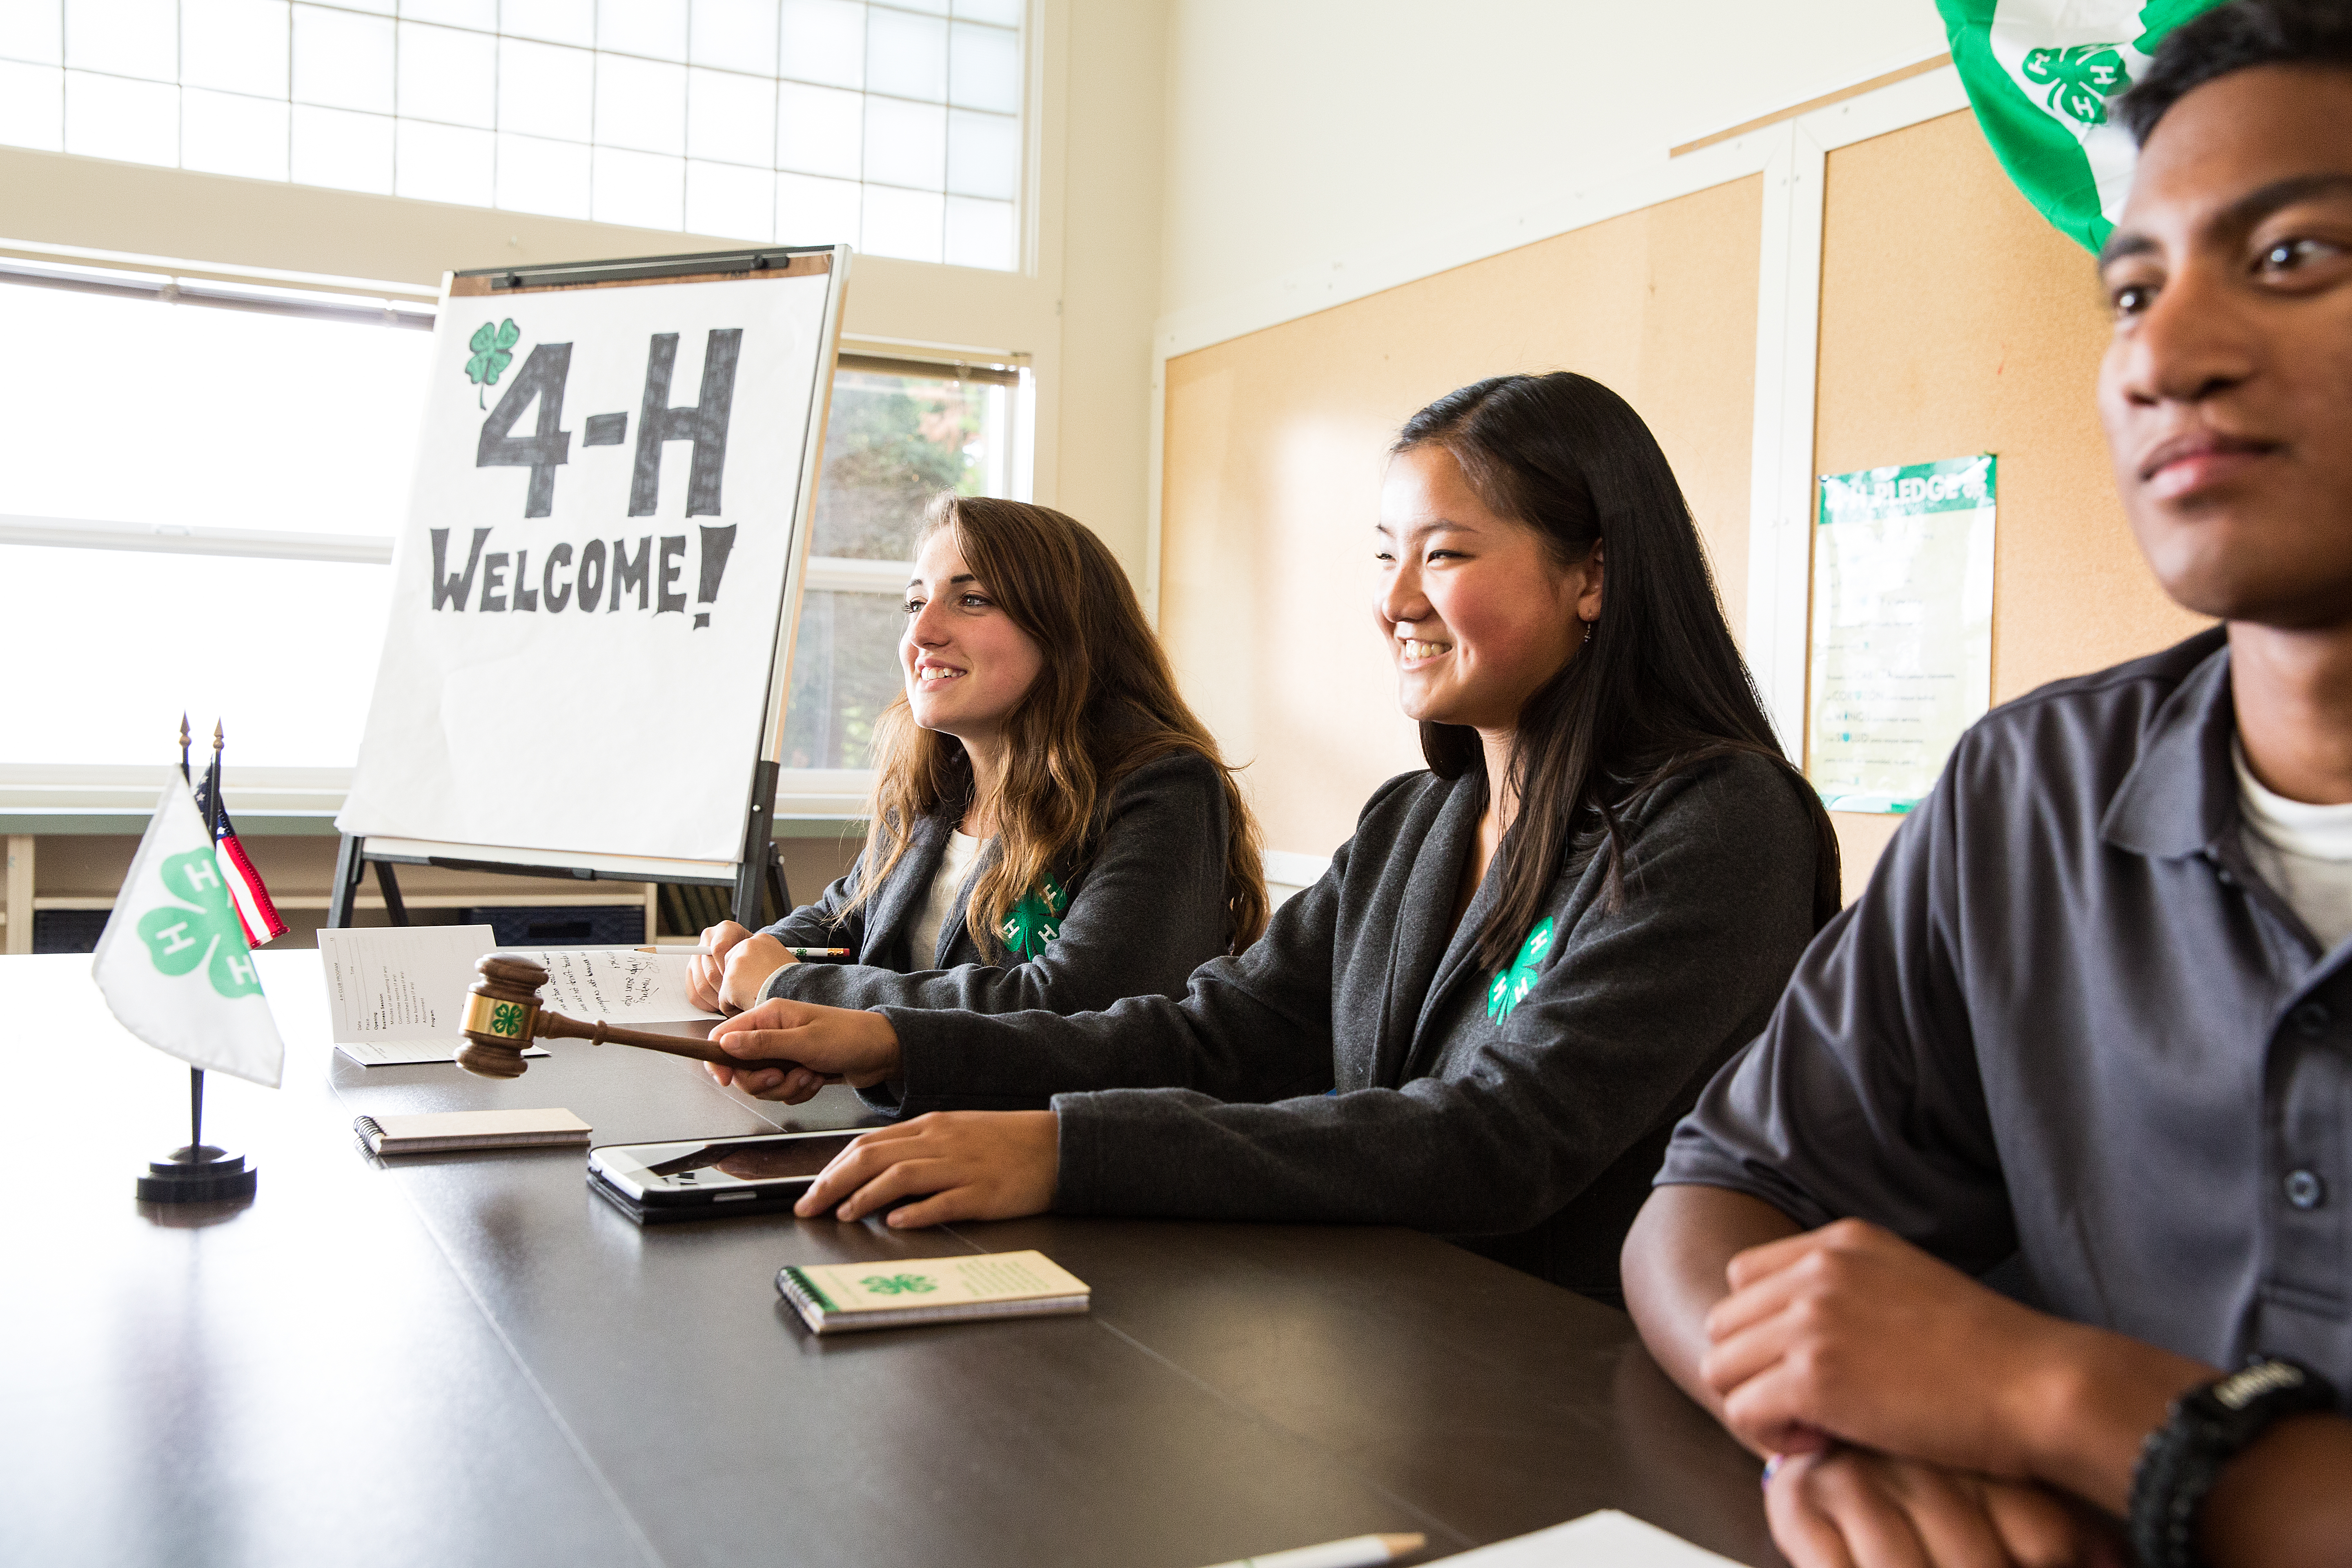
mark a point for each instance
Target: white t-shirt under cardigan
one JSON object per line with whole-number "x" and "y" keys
{"x": 942, "y": 905}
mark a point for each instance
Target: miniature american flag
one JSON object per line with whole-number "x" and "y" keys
{"x": 253, "y": 910}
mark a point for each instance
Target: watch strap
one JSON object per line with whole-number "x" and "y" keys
{"x": 2205, "y": 1429}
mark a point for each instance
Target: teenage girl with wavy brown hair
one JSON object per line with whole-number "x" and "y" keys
{"x": 1051, "y": 826}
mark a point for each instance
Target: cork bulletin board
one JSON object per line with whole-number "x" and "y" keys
{"x": 1954, "y": 319}
{"x": 1276, "y": 441}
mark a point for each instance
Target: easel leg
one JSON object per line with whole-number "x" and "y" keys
{"x": 758, "y": 859}
{"x": 777, "y": 886}
{"x": 350, "y": 865}
{"x": 747, "y": 897}
{"x": 394, "y": 911}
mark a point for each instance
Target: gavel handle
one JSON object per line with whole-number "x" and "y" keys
{"x": 556, "y": 1026}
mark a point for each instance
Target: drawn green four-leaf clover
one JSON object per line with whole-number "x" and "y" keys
{"x": 898, "y": 1284}
{"x": 490, "y": 343}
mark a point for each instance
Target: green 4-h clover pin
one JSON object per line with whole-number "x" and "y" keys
{"x": 490, "y": 345}
{"x": 1509, "y": 985}
{"x": 898, "y": 1284}
{"x": 1036, "y": 920}
{"x": 178, "y": 938}
{"x": 2080, "y": 80}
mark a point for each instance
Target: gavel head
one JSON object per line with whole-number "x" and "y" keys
{"x": 501, "y": 1012}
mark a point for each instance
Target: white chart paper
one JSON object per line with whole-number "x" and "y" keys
{"x": 586, "y": 597}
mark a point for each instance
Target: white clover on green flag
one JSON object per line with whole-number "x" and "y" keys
{"x": 174, "y": 965}
{"x": 2043, "y": 77}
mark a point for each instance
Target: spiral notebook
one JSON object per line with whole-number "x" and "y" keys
{"x": 472, "y": 1129}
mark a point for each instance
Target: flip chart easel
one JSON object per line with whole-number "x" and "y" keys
{"x": 525, "y": 720}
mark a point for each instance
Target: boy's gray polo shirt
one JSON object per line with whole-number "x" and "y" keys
{"x": 2069, "y": 1022}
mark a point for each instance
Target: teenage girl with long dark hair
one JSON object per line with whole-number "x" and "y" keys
{"x": 1485, "y": 1019}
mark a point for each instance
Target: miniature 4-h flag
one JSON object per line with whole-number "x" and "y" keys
{"x": 2043, "y": 77}
{"x": 173, "y": 963}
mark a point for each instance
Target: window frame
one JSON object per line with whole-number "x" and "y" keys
{"x": 188, "y": 88}
{"x": 50, "y": 797}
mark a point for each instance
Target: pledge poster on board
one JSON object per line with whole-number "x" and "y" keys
{"x": 586, "y": 595}
{"x": 1902, "y": 628}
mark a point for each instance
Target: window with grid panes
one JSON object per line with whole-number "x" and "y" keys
{"x": 894, "y": 127}
{"x": 285, "y": 649}
{"x": 900, "y": 433}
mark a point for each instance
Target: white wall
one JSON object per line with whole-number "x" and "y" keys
{"x": 1302, "y": 136}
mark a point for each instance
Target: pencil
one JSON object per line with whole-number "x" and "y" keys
{"x": 1356, "y": 1552}
{"x": 795, "y": 952}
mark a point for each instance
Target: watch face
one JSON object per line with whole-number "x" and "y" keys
{"x": 2240, "y": 1388}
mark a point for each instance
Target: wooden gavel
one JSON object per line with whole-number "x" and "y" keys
{"x": 503, "y": 1016}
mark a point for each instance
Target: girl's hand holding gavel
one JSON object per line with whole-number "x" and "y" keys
{"x": 788, "y": 1049}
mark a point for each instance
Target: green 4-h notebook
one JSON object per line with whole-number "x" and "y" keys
{"x": 834, "y": 1297}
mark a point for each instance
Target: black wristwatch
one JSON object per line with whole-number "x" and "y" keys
{"x": 2207, "y": 1427}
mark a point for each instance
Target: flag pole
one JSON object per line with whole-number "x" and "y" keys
{"x": 195, "y": 1075}
{"x": 212, "y": 835}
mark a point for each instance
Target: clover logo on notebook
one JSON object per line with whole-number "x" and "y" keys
{"x": 178, "y": 938}
{"x": 899, "y": 1284}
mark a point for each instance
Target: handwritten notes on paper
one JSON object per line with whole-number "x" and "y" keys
{"x": 1902, "y": 654}
{"x": 395, "y": 993}
{"x": 619, "y": 983}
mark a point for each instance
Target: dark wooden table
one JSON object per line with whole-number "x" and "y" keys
{"x": 469, "y": 1359}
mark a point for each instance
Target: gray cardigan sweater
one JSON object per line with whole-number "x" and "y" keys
{"x": 1145, "y": 909}
{"x": 1347, "y": 1069}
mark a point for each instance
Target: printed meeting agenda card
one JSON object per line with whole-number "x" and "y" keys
{"x": 833, "y": 1297}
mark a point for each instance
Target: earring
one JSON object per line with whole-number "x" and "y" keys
{"x": 1587, "y": 633}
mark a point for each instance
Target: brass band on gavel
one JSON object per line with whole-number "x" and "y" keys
{"x": 503, "y": 1015}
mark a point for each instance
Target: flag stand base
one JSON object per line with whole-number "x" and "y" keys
{"x": 200, "y": 1175}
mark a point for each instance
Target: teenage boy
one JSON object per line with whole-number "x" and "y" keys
{"x": 2094, "y": 1018}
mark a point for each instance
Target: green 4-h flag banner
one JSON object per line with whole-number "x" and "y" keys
{"x": 2043, "y": 75}
{"x": 173, "y": 963}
